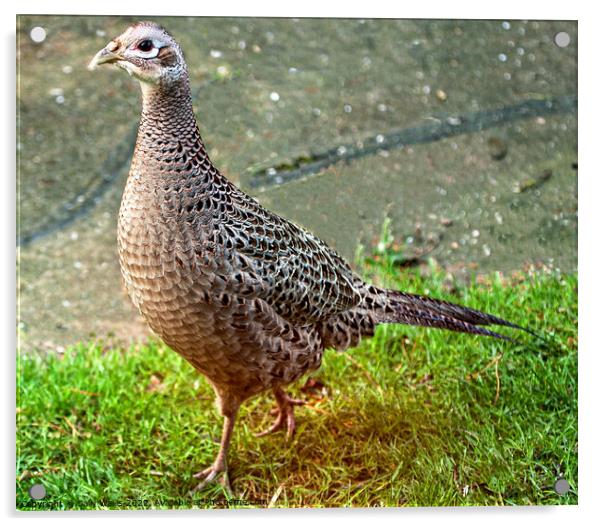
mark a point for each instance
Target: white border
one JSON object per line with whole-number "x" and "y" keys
{"x": 590, "y": 154}
{"x": 510, "y": 9}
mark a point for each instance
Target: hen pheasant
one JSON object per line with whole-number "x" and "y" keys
{"x": 248, "y": 298}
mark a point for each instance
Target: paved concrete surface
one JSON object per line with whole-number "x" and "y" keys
{"x": 273, "y": 94}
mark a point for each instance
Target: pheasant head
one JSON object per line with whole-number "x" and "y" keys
{"x": 146, "y": 51}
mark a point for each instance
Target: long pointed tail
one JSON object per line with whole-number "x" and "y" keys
{"x": 413, "y": 309}
{"x": 391, "y": 306}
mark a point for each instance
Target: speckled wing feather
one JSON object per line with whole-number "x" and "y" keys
{"x": 268, "y": 257}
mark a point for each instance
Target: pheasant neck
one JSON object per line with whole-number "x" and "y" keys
{"x": 169, "y": 147}
{"x": 167, "y": 110}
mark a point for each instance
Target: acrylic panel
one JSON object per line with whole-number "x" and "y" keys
{"x": 438, "y": 157}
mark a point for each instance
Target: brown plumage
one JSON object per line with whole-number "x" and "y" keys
{"x": 248, "y": 298}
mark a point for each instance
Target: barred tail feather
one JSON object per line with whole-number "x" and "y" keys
{"x": 453, "y": 310}
{"x": 390, "y": 306}
{"x": 426, "y": 312}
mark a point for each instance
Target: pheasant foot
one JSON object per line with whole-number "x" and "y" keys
{"x": 220, "y": 465}
{"x": 285, "y": 414}
{"x": 217, "y": 473}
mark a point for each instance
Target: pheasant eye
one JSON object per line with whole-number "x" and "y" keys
{"x": 145, "y": 46}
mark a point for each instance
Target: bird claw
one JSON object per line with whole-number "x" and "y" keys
{"x": 285, "y": 415}
{"x": 210, "y": 475}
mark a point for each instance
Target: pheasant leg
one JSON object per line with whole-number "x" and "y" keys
{"x": 220, "y": 464}
{"x": 285, "y": 414}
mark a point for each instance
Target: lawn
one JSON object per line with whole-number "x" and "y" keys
{"x": 412, "y": 417}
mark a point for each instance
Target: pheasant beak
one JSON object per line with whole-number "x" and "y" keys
{"x": 105, "y": 56}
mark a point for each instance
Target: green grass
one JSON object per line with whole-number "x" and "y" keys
{"x": 413, "y": 417}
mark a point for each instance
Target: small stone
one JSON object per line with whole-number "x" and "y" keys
{"x": 223, "y": 71}
{"x": 274, "y": 96}
{"x": 441, "y": 95}
{"x": 446, "y": 221}
{"x": 215, "y": 53}
{"x": 497, "y": 148}
{"x": 155, "y": 384}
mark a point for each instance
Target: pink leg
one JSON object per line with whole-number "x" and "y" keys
{"x": 220, "y": 465}
{"x": 285, "y": 412}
